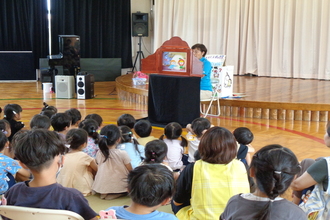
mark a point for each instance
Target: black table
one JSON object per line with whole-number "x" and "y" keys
{"x": 173, "y": 99}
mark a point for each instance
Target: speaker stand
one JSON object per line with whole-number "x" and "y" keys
{"x": 138, "y": 55}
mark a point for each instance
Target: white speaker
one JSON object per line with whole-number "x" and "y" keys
{"x": 85, "y": 86}
{"x": 64, "y": 87}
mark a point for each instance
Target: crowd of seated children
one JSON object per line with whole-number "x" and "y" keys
{"x": 41, "y": 151}
{"x": 215, "y": 171}
{"x": 176, "y": 148}
{"x": 212, "y": 152}
{"x": 8, "y": 167}
{"x": 40, "y": 121}
{"x": 273, "y": 167}
{"x": 61, "y": 123}
{"x": 195, "y": 132}
{"x": 79, "y": 168}
{"x": 244, "y": 137}
{"x": 129, "y": 144}
{"x": 91, "y": 126}
{"x": 143, "y": 129}
{"x": 113, "y": 165}
{"x": 75, "y": 117}
{"x": 12, "y": 113}
{"x": 149, "y": 187}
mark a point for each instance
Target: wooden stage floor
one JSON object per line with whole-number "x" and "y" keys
{"x": 266, "y": 98}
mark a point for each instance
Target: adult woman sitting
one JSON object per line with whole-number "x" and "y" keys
{"x": 317, "y": 174}
{"x": 204, "y": 187}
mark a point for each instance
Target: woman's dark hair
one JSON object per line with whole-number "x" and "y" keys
{"x": 3, "y": 140}
{"x": 127, "y": 137}
{"x": 4, "y": 125}
{"x": 143, "y": 128}
{"x": 173, "y": 131}
{"x": 155, "y": 151}
{"x": 218, "y": 146}
{"x": 74, "y": 114}
{"x": 200, "y": 47}
{"x": 96, "y": 117}
{"x": 91, "y": 126}
{"x": 275, "y": 168}
{"x": 109, "y": 136}
{"x": 149, "y": 185}
{"x": 11, "y": 110}
{"x": 199, "y": 125}
{"x": 37, "y": 148}
{"x": 49, "y": 108}
{"x": 243, "y": 135}
{"x": 40, "y": 121}
{"x": 60, "y": 121}
{"x": 126, "y": 119}
{"x": 76, "y": 137}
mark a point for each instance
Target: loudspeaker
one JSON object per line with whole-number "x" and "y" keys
{"x": 140, "y": 24}
{"x": 64, "y": 87}
{"x": 85, "y": 86}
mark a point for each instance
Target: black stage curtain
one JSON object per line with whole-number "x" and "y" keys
{"x": 104, "y": 27}
{"x": 173, "y": 98}
{"x": 23, "y": 27}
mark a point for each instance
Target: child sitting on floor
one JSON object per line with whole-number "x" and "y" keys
{"x": 176, "y": 147}
{"x": 126, "y": 119}
{"x": 91, "y": 127}
{"x": 12, "y": 113}
{"x": 97, "y": 118}
{"x": 149, "y": 186}
{"x": 143, "y": 129}
{"x": 41, "y": 151}
{"x": 244, "y": 137}
{"x": 113, "y": 165}
{"x": 61, "y": 123}
{"x": 8, "y": 167}
{"x": 40, "y": 121}
{"x": 195, "y": 132}
{"x": 131, "y": 146}
{"x": 5, "y": 128}
{"x": 78, "y": 168}
{"x": 273, "y": 167}
{"x": 75, "y": 116}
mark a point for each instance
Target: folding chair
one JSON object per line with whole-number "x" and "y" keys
{"x": 215, "y": 97}
{"x": 27, "y": 213}
{"x": 217, "y": 61}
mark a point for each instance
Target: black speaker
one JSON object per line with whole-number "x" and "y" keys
{"x": 140, "y": 24}
{"x": 85, "y": 86}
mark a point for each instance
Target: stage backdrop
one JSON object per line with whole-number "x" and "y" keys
{"x": 283, "y": 38}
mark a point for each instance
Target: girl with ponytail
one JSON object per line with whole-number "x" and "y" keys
{"x": 129, "y": 144}
{"x": 273, "y": 167}
{"x": 113, "y": 165}
{"x": 176, "y": 147}
{"x": 91, "y": 127}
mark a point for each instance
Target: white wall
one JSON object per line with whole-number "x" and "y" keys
{"x": 144, "y": 6}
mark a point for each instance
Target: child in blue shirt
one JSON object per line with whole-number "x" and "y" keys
{"x": 8, "y": 166}
{"x": 149, "y": 186}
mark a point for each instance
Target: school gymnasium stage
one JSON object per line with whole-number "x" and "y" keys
{"x": 261, "y": 97}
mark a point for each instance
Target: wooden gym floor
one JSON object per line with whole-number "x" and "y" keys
{"x": 304, "y": 138}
